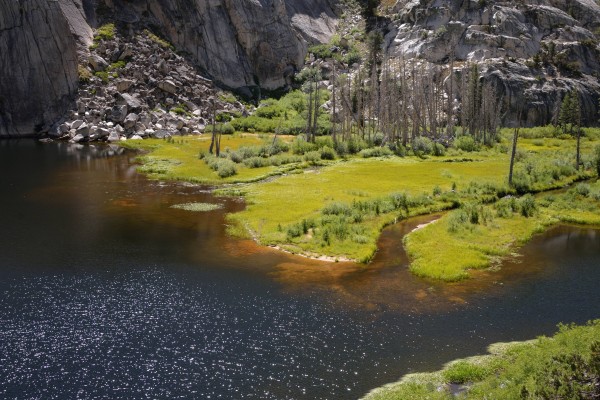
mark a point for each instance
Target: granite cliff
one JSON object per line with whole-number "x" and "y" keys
{"x": 243, "y": 45}
{"x": 534, "y": 50}
{"x": 38, "y": 66}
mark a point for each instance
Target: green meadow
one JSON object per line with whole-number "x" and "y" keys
{"x": 318, "y": 199}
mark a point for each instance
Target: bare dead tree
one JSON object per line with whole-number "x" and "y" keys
{"x": 514, "y": 144}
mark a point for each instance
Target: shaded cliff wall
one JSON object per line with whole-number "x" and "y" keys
{"x": 38, "y": 66}
{"x": 239, "y": 43}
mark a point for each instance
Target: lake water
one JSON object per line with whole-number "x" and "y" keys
{"x": 107, "y": 292}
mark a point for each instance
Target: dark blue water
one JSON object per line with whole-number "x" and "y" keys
{"x": 106, "y": 292}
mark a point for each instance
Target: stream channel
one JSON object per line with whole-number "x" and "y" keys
{"x": 107, "y": 292}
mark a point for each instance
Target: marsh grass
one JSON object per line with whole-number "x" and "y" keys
{"x": 339, "y": 207}
{"x": 382, "y": 191}
{"x": 462, "y": 240}
{"x": 513, "y": 370}
{"x": 197, "y": 207}
{"x": 178, "y": 159}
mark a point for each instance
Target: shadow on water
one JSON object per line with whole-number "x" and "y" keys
{"x": 109, "y": 292}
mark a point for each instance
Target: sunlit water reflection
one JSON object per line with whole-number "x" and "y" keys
{"x": 106, "y": 292}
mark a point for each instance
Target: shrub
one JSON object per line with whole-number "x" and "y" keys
{"x": 312, "y": 157}
{"x": 285, "y": 159}
{"x": 84, "y": 74}
{"x": 105, "y": 32}
{"x": 422, "y": 146}
{"x": 473, "y": 213}
{"x": 465, "y": 143}
{"x": 337, "y": 208}
{"x": 327, "y": 153}
{"x": 161, "y": 42}
{"x": 279, "y": 146}
{"x": 583, "y": 189}
{"x": 438, "y": 149}
{"x": 294, "y": 231}
{"x": 378, "y": 139}
{"x": 597, "y": 159}
{"x": 226, "y": 169}
{"x": 323, "y": 141}
{"x": 236, "y": 157}
{"x": 355, "y": 145}
{"x": 257, "y": 162}
{"x": 567, "y": 376}
{"x": 341, "y": 148}
{"x": 223, "y": 166}
{"x": 521, "y": 182}
{"x": 376, "y": 152}
{"x": 269, "y": 112}
{"x": 527, "y": 205}
{"x": 301, "y": 146}
{"x": 102, "y": 75}
{"x": 223, "y": 117}
{"x": 398, "y": 149}
{"x": 227, "y": 129}
{"x": 456, "y": 220}
{"x": 352, "y": 57}
{"x": 505, "y": 207}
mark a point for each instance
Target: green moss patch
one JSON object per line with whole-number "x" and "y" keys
{"x": 197, "y": 207}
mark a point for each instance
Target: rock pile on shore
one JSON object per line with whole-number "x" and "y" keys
{"x": 139, "y": 87}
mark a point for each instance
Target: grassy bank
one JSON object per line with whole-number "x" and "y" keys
{"x": 477, "y": 236}
{"x": 179, "y": 159}
{"x": 519, "y": 370}
{"x": 332, "y": 203}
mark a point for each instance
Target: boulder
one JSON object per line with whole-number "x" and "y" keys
{"x": 163, "y": 67}
{"x": 123, "y": 85}
{"x": 133, "y": 103}
{"x": 161, "y": 134}
{"x": 118, "y": 113}
{"x": 97, "y": 63}
{"x": 102, "y": 132}
{"x": 113, "y": 137}
{"x": 78, "y": 138}
{"x": 130, "y": 121}
{"x": 76, "y": 124}
{"x": 128, "y": 52}
{"x": 167, "y": 86}
{"x": 83, "y": 130}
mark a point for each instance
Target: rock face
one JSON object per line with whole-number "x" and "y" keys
{"x": 38, "y": 66}
{"x": 239, "y": 43}
{"x": 536, "y": 50}
{"x": 242, "y": 44}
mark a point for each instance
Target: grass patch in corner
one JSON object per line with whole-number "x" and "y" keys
{"x": 548, "y": 367}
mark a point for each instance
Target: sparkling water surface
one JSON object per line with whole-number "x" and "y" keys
{"x": 106, "y": 292}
